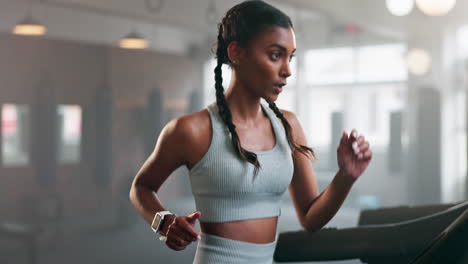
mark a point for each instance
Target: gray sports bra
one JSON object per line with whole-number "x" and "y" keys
{"x": 223, "y": 185}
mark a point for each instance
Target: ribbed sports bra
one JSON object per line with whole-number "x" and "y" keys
{"x": 223, "y": 184}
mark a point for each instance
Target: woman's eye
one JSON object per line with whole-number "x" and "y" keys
{"x": 275, "y": 55}
{"x": 291, "y": 57}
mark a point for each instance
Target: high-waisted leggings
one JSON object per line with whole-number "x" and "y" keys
{"x": 213, "y": 249}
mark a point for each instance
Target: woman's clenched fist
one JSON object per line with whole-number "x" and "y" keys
{"x": 181, "y": 232}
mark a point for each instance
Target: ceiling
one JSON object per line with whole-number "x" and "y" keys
{"x": 193, "y": 14}
{"x": 188, "y": 21}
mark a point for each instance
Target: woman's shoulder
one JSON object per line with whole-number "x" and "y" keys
{"x": 192, "y": 132}
{"x": 191, "y": 128}
{"x": 290, "y": 117}
{"x": 190, "y": 124}
{"x": 296, "y": 128}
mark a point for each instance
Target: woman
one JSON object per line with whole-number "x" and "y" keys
{"x": 242, "y": 154}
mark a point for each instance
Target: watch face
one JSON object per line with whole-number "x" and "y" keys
{"x": 156, "y": 222}
{"x": 157, "y": 218}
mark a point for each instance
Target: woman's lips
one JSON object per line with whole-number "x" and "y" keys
{"x": 278, "y": 88}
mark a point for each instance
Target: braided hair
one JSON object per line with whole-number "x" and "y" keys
{"x": 241, "y": 23}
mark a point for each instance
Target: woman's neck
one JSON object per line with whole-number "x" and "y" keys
{"x": 245, "y": 106}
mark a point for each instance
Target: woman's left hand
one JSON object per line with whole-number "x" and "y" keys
{"x": 354, "y": 155}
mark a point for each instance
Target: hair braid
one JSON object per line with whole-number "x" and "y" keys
{"x": 223, "y": 107}
{"x": 292, "y": 144}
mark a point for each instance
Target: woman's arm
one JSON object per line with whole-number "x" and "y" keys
{"x": 167, "y": 156}
{"x": 315, "y": 210}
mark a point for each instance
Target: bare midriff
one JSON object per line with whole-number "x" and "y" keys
{"x": 260, "y": 231}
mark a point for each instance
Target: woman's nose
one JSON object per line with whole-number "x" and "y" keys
{"x": 286, "y": 70}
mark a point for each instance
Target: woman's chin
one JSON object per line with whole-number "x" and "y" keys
{"x": 274, "y": 97}
{"x": 270, "y": 98}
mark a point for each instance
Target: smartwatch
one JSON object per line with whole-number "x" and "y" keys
{"x": 158, "y": 220}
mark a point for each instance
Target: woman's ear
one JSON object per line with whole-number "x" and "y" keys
{"x": 234, "y": 52}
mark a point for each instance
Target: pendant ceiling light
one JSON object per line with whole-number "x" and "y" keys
{"x": 133, "y": 41}
{"x": 418, "y": 61}
{"x": 400, "y": 7}
{"x": 29, "y": 27}
{"x": 435, "y": 7}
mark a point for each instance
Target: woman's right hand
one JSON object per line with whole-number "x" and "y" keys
{"x": 181, "y": 231}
